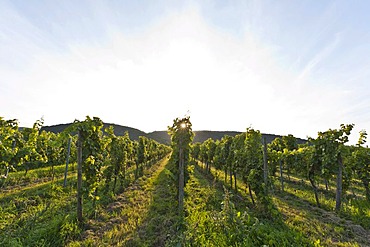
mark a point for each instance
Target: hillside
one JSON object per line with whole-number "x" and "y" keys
{"x": 119, "y": 130}
{"x": 202, "y": 135}
{"x": 162, "y": 136}
{"x": 136, "y": 201}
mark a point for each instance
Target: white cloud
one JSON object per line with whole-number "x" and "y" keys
{"x": 319, "y": 57}
{"x": 179, "y": 63}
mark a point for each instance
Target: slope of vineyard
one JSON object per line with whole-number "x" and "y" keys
{"x": 145, "y": 215}
{"x": 234, "y": 191}
{"x": 318, "y": 190}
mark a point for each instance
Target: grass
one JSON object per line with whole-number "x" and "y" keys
{"x": 355, "y": 209}
{"x": 35, "y": 216}
{"x": 18, "y": 179}
{"x": 40, "y": 212}
{"x": 321, "y": 226}
{"x": 219, "y": 217}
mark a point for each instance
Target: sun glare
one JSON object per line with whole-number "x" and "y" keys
{"x": 183, "y": 125}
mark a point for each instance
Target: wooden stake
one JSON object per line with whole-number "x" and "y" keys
{"x": 67, "y": 161}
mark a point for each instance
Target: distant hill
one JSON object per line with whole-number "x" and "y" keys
{"x": 119, "y": 130}
{"x": 202, "y": 135}
{"x": 162, "y": 136}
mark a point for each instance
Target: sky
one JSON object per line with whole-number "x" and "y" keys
{"x": 282, "y": 67}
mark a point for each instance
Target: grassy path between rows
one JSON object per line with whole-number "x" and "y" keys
{"x": 143, "y": 215}
{"x": 216, "y": 216}
{"x": 320, "y": 226}
{"x": 34, "y": 215}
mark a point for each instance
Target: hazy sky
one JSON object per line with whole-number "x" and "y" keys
{"x": 279, "y": 66}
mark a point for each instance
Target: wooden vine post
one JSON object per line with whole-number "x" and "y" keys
{"x": 181, "y": 177}
{"x": 67, "y": 161}
{"x": 79, "y": 178}
{"x": 281, "y": 174}
{"x": 265, "y": 168}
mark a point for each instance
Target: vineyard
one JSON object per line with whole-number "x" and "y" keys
{"x": 86, "y": 186}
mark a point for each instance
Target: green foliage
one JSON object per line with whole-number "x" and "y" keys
{"x": 241, "y": 155}
{"x": 28, "y": 149}
{"x": 8, "y": 136}
{"x": 360, "y": 163}
{"x": 181, "y": 136}
{"x": 326, "y": 157}
{"x": 93, "y": 153}
{"x": 253, "y": 172}
{"x": 181, "y": 132}
{"x": 109, "y": 156}
{"x": 331, "y": 144}
{"x": 120, "y": 157}
{"x": 283, "y": 150}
